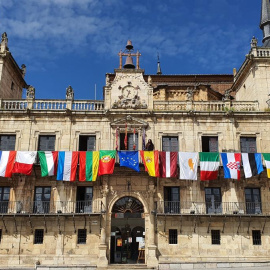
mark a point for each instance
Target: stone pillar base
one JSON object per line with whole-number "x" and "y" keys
{"x": 102, "y": 259}
{"x": 152, "y": 260}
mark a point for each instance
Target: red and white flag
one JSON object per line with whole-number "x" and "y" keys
{"x": 7, "y": 159}
{"x": 24, "y": 162}
{"x": 168, "y": 164}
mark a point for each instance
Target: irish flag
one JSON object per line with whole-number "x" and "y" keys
{"x": 48, "y": 162}
{"x": 24, "y": 162}
{"x": 67, "y": 165}
{"x": 7, "y": 159}
{"x": 151, "y": 162}
{"x": 106, "y": 161}
{"x": 209, "y": 163}
{"x": 266, "y": 157}
{"x": 89, "y": 162}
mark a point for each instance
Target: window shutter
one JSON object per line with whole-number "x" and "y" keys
{"x": 7, "y": 142}
{"x": 130, "y": 141}
{"x": 166, "y": 144}
{"x": 213, "y": 144}
{"x": 174, "y": 144}
{"x": 46, "y": 143}
{"x": 170, "y": 144}
{"x": 91, "y": 143}
{"x": 248, "y": 145}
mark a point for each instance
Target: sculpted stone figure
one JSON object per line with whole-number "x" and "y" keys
{"x": 30, "y": 92}
{"x": 70, "y": 93}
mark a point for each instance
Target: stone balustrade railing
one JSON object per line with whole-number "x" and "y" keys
{"x": 206, "y": 106}
{"x": 52, "y": 105}
{"x": 262, "y": 52}
{"x": 94, "y": 105}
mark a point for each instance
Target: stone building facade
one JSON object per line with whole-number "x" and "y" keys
{"x": 129, "y": 217}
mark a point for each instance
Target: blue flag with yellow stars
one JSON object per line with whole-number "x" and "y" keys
{"x": 129, "y": 159}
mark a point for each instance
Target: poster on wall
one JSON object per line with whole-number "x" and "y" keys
{"x": 142, "y": 243}
{"x": 119, "y": 242}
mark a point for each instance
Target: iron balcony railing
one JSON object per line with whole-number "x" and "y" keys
{"x": 213, "y": 208}
{"x": 51, "y": 207}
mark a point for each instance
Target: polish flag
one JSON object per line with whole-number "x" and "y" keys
{"x": 168, "y": 164}
{"x": 24, "y": 162}
{"x": 67, "y": 165}
{"x": 7, "y": 159}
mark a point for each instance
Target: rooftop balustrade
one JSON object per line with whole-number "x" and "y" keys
{"x": 95, "y": 105}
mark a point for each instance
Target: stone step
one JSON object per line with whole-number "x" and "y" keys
{"x": 129, "y": 267}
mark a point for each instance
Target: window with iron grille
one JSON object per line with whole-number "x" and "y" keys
{"x": 39, "y": 235}
{"x": 0, "y": 235}
{"x": 87, "y": 143}
{"x": 209, "y": 144}
{"x": 256, "y": 238}
{"x": 215, "y": 236}
{"x": 81, "y": 236}
{"x": 170, "y": 144}
{"x": 248, "y": 145}
{"x": 7, "y": 142}
{"x": 173, "y": 236}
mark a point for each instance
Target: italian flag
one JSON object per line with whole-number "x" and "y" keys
{"x": 209, "y": 163}
{"x": 89, "y": 162}
{"x": 48, "y": 162}
{"x": 266, "y": 157}
{"x": 106, "y": 161}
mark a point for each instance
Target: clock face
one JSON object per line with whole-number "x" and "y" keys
{"x": 128, "y": 92}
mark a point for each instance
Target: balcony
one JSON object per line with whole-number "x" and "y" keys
{"x": 212, "y": 208}
{"x": 51, "y": 207}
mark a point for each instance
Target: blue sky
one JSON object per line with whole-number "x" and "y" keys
{"x": 76, "y": 42}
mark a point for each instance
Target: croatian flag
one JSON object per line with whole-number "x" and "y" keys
{"x": 67, "y": 165}
{"x": 231, "y": 165}
{"x": 252, "y": 163}
{"x": 24, "y": 162}
{"x": 7, "y": 159}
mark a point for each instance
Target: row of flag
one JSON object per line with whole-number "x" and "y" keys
{"x": 64, "y": 164}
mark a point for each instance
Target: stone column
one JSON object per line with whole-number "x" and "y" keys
{"x": 103, "y": 260}
{"x": 152, "y": 258}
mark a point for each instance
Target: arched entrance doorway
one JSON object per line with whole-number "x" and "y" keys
{"x": 127, "y": 231}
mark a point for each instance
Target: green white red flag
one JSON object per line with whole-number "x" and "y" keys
{"x": 209, "y": 165}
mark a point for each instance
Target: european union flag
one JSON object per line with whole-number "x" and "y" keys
{"x": 129, "y": 159}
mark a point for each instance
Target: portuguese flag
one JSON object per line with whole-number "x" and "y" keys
{"x": 48, "y": 162}
{"x": 106, "y": 161}
{"x": 266, "y": 157}
{"x": 209, "y": 163}
{"x": 88, "y": 165}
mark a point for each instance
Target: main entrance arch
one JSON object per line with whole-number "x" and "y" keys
{"x": 127, "y": 231}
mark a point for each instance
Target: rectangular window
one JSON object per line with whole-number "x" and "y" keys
{"x": 130, "y": 141}
{"x": 82, "y": 236}
{"x": 253, "y": 200}
{"x": 256, "y": 238}
{"x": 173, "y": 237}
{"x": 84, "y": 199}
{"x": 39, "y": 235}
{"x": 172, "y": 200}
{"x": 209, "y": 144}
{"x": 170, "y": 144}
{"x": 4, "y": 199}
{"x": 46, "y": 143}
{"x": 42, "y": 200}
{"x": 215, "y": 236}
{"x": 248, "y": 145}
{"x": 7, "y": 142}
{"x": 213, "y": 200}
{"x": 87, "y": 143}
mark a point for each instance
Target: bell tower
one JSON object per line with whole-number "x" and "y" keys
{"x": 128, "y": 90}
